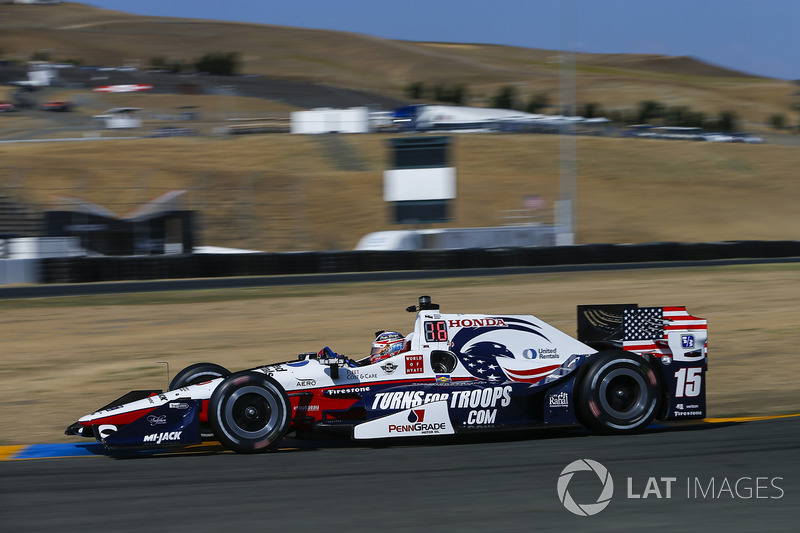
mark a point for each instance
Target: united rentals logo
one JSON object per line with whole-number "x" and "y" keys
{"x": 586, "y": 509}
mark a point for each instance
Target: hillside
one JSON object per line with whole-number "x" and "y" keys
{"x": 283, "y": 192}
{"x": 615, "y": 81}
{"x": 289, "y": 192}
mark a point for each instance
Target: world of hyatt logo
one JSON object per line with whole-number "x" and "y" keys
{"x": 664, "y": 487}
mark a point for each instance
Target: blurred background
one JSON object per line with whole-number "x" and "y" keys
{"x": 126, "y": 134}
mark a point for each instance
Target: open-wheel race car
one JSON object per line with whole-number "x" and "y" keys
{"x": 453, "y": 374}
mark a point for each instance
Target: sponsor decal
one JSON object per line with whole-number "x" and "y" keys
{"x": 460, "y": 399}
{"x": 356, "y": 375}
{"x": 166, "y": 436}
{"x": 154, "y": 420}
{"x": 414, "y": 364}
{"x": 416, "y": 419}
{"x": 687, "y": 341}
{"x": 488, "y": 397}
{"x": 389, "y": 367}
{"x": 307, "y": 408}
{"x": 529, "y": 353}
{"x": 430, "y": 419}
{"x": 481, "y": 417}
{"x": 548, "y": 353}
{"x": 346, "y": 390}
{"x": 306, "y": 383}
{"x": 178, "y": 405}
{"x": 477, "y": 323}
{"x": 559, "y": 400}
{"x": 442, "y": 378}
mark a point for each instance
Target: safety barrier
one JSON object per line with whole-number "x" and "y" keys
{"x": 98, "y": 269}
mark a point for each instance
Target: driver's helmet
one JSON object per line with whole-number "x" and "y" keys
{"x": 386, "y": 344}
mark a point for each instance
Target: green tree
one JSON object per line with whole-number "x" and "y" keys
{"x": 415, "y": 90}
{"x": 505, "y": 97}
{"x": 40, "y": 55}
{"x": 777, "y": 121}
{"x": 649, "y": 111}
{"x": 538, "y": 103}
{"x": 221, "y": 64}
{"x": 726, "y": 121}
{"x": 591, "y": 110}
{"x": 459, "y": 94}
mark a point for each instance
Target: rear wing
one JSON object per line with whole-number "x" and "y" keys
{"x": 669, "y": 335}
{"x": 655, "y": 330}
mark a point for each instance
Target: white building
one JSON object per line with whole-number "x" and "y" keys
{"x": 324, "y": 120}
{"x": 121, "y": 118}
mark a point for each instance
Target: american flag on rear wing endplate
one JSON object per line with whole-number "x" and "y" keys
{"x": 645, "y": 328}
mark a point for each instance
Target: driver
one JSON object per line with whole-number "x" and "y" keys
{"x": 387, "y": 344}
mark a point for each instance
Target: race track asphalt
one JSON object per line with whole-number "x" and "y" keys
{"x": 721, "y": 477}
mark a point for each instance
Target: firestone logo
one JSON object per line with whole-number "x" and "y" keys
{"x": 586, "y": 509}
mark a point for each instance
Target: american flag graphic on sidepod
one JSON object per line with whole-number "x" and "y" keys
{"x": 493, "y": 368}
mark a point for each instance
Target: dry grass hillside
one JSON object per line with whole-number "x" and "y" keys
{"x": 283, "y": 192}
{"x": 615, "y": 81}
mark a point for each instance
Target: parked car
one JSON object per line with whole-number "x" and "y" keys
{"x": 57, "y": 105}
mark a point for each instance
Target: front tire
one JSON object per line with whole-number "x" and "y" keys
{"x": 249, "y": 412}
{"x": 617, "y": 393}
{"x": 198, "y": 373}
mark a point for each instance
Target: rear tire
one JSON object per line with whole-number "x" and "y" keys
{"x": 617, "y": 393}
{"x": 249, "y": 412}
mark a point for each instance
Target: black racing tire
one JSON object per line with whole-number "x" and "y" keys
{"x": 198, "y": 373}
{"x": 616, "y": 392}
{"x": 249, "y": 412}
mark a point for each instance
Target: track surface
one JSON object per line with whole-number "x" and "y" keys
{"x": 486, "y": 485}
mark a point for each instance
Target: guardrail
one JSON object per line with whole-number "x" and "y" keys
{"x": 100, "y": 269}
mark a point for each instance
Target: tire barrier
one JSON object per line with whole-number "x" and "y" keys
{"x": 100, "y": 269}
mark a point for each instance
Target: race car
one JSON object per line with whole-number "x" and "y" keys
{"x": 453, "y": 374}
